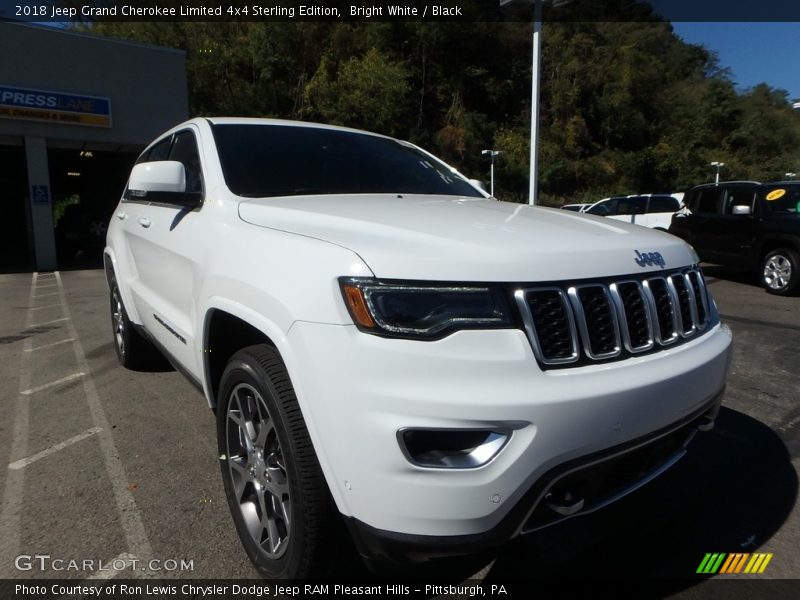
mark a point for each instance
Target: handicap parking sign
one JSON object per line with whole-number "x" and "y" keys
{"x": 41, "y": 195}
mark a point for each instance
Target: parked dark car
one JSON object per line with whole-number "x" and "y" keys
{"x": 746, "y": 224}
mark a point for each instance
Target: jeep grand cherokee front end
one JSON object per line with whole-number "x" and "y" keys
{"x": 384, "y": 343}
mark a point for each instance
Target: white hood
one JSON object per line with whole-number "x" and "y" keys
{"x": 468, "y": 239}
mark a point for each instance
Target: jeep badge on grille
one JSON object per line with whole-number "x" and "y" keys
{"x": 650, "y": 259}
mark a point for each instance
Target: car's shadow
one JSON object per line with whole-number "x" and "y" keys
{"x": 731, "y": 493}
{"x": 743, "y": 276}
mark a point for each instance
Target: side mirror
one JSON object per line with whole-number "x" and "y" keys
{"x": 161, "y": 181}
{"x": 742, "y": 209}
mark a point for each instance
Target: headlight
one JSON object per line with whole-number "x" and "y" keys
{"x": 422, "y": 310}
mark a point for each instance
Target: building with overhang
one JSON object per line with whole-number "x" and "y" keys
{"x": 75, "y": 111}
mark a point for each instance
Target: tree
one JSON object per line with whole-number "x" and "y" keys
{"x": 368, "y": 92}
{"x": 626, "y": 106}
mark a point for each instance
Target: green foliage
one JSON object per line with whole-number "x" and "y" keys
{"x": 625, "y": 107}
{"x": 360, "y": 93}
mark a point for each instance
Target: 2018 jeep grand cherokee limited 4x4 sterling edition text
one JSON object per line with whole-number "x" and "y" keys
{"x": 746, "y": 224}
{"x": 382, "y": 341}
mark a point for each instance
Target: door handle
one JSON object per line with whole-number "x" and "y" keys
{"x": 144, "y": 222}
{"x": 122, "y": 216}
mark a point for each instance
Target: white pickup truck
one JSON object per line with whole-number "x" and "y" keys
{"x": 384, "y": 344}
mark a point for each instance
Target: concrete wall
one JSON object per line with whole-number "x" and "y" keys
{"x": 146, "y": 84}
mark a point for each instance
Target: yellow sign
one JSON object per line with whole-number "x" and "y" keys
{"x": 775, "y": 194}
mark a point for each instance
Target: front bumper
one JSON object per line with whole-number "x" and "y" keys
{"x": 608, "y": 475}
{"x": 358, "y": 390}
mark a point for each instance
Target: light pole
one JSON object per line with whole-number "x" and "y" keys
{"x": 535, "y": 68}
{"x": 790, "y": 176}
{"x": 718, "y": 166}
{"x": 492, "y": 154}
{"x": 533, "y": 190}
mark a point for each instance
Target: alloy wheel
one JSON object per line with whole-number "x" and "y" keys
{"x": 118, "y": 321}
{"x": 777, "y": 272}
{"x": 258, "y": 470}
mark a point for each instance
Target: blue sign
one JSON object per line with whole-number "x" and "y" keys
{"x": 41, "y": 195}
{"x": 39, "y": 105}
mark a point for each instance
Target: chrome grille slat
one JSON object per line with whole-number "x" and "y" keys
{"x": 594, "y": 321}
{"x": 634, "y": 313}
{"x": 663, "y": 306}
{"x": 700, "y": 296}
{"x": 535, "y": 316}
{"x": 686, "y": 302}
{"x": 597, "y": 321}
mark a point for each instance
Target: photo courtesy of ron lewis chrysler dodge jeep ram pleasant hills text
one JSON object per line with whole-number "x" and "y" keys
{"x": 387, "y": 347}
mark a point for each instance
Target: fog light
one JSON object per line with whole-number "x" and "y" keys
{"x": 451, "y": 448}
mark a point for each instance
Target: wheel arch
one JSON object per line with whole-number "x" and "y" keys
{"x": 112, "y": 271}
{"x": 225, "y": 333}
{"x": 108, "y": 266}
{"x": 773, "y": 243}
{"x": 230, "y": 326}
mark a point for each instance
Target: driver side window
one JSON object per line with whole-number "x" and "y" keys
{"x": 605, "y": 209}
{"x": 739, "y": 197}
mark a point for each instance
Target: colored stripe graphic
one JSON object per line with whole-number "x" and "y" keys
{"x": 741, "y": 562}
{"x": 758, "y": 563}
{"x": 722, "y": 563}
{"x": 727, "y": 564}
{"x": 734, "y": 563}
{"x": 711, "y": 563}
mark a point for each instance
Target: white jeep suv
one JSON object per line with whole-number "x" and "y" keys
{"x": 386, "y": 345}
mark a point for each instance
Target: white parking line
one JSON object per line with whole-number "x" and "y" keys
{"x": 130, "y": 518}
{"x": 19, "y": 464}
{"x": 39, "y": 388}
{"x": 49, "y": 285}
{"x": 50, "y": 322}
{"x": 790, "y": 424}
{"x": 10, "y": 514}
{"x": 58, "y": 343}
{"x": 45, "y": 306}
{"x": 45, "y": 295}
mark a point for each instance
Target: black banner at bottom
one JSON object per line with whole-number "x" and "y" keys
{"x": 240, "y": 589}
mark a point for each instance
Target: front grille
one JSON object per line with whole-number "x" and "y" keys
{"x": 553, "y": 324}
{"x": 686, "y": 311}
{"x": 637, "y": 323}
{"x": 597, "y": 321}
{"x": 665, "y": 310}
{"x": 585, "y": 322}
{"x": 700, "y": 297}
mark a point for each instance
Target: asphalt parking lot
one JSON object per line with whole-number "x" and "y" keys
{"x": 104, "y": 463}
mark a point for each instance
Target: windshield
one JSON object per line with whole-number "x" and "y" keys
{"x": 783, "y": 198}
{"x": 280, "y": 160}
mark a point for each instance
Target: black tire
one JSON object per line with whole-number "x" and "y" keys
{"x": 275, "y": 488}
{"x": 780, "y": 272}
{"x": 133, "y": 351}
